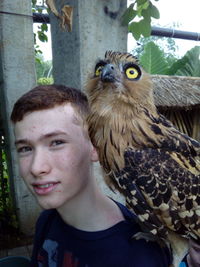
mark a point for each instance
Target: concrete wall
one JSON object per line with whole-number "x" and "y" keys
{"x": 96, "y": 28}
{"x": 17, "y": 69}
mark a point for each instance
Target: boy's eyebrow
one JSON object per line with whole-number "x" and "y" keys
{"x": 44, "y": 136}
{"x": 52, "y": 134}
{"x": 21, "y": 141}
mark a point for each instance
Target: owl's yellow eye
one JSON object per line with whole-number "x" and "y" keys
{"x": 98, "y": 70}
{"x": 132, "y": 73}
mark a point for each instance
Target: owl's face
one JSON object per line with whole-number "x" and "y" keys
{"x": 117, "y": 67}
{"x": 119, "y": 75}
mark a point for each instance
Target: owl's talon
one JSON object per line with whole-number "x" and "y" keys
{"x": 146, "y": 236}
{"x": 149, "y": 237}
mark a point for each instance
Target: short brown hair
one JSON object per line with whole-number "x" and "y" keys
{"x": 49, "y": 96}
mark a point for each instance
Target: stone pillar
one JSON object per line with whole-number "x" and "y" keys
{"x": 96, "y": 28}
{"x": 17, "y": 75}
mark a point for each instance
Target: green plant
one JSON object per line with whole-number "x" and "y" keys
{"x": 167, "y": 45}
{"x": 153, "y": 59}
{"x": 143, "y": 10}
{"x": 43, "y": 68}
{"x": 42, "y": 28}
{"x": 188, "y": 65}
{"x": 44, "y": 80}
{"x": 7, "y": 214}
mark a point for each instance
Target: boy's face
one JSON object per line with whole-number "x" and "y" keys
{"x": 54, "y": 156}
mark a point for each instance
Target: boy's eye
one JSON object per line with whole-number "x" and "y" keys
{"x": 24, "y": 149}
{"x": 57, "y": 142}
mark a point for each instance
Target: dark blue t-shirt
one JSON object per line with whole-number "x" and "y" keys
{"x": 58, "y": 244}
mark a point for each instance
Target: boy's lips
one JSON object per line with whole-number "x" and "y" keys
{"x": 45, "y": 188}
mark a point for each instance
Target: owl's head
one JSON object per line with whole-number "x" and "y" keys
{"x": 119, "y": 77}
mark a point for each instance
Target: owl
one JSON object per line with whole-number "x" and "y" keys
{"x": 142, "y": 154}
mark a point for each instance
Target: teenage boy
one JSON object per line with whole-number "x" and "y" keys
{"x": 80, "y": 225}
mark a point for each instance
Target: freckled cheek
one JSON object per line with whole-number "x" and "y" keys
{"x": 71, "y": 160}
{"x": 66, "y": 163}
{"x": 66, "y": 158}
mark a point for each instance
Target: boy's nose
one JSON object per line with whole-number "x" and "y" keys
{"x": 40, "y": 164}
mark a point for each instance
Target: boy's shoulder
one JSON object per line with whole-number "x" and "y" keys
{"x": 126, "y": 212}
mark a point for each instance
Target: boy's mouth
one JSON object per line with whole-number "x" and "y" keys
{"x": 43, "y": 189}
{"x": 44, "y": 185}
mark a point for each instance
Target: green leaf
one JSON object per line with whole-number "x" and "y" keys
{"x": 44, "y": 27}
{"x": 154, "y": 11}
{"x": 42, "y": 36}
{"x": 146, "y": 13}
{"x": 141, "y": 2}
{"x": 142, "y": 27}
{"x": 189, "y": 65}
{"x": 152, "y": 59}
{"x": 177, "y": 65}
{"x": 34, "y": 3}
{"x": 45, "y": 80}
{"x": 134, "y": 28}
{"x": 128, "y": 15}
{"x": 145, "y": 27}
{"x": 142, "y": 7}
{"x": 151, "y": 11}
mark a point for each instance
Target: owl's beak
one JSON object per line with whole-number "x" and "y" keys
{"x": 108, "y": 73}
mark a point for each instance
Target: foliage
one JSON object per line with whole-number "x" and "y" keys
{"x": 7, "y": 214}
{"x": 43, "y": 68}
{"x": 42, "y": 28}
{"x": 167, "y": 45}
{"x": 44, "y": 71}
{"x": 189, "y": 65}
{"x": 143, "y": 10}
{"x": 153, "y": 60}
{"x": 44, "y": 81}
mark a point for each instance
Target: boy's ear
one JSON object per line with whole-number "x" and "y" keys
{"x": 94, "y": 154}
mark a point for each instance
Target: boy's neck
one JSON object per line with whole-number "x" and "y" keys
{"x": 93, "y": 212}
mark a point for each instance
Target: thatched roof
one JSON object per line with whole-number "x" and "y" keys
{"x": 176, "y": 91}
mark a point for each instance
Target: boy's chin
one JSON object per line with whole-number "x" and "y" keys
{"x": 47, "y": 205}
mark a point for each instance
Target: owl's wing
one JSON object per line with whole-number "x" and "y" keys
{"x": 161, "y": 192}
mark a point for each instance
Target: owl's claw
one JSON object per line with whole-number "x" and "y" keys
{"x": 149, "y": 237}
